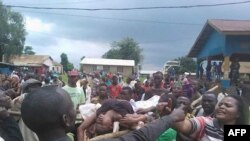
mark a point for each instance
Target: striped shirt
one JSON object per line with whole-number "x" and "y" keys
{"x": 206, "y": 129}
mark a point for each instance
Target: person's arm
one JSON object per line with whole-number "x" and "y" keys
{"x": 184, "y": 127}
{"x": 85, "y": 124}
{"x": 146, "y": 110}
{"x": 132, "y": 119}
{"x": 153, "y": 130}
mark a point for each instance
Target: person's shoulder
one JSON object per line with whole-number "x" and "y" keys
{"x": 203, "y": 120}
{"x": 65, "y": 87}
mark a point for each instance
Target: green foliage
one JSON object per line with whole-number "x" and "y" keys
{"x": 82, "y": 58}
{"x": 67, "y": 66}
{"x": 186, "y": 65}
{"x": 12, "y": 32}
{"x": 127, "y": 49}
{"x": 64, "y": 77}
{"x": 28, "y": 50}
{"x": 70, "y": 66}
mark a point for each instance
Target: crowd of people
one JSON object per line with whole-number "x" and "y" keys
{"x": 161, "y": 107}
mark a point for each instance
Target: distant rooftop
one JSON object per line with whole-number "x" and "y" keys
{"x": 31, "y": 60}
{"x": 112, "y": 62}
{"x": 231, "y": 26}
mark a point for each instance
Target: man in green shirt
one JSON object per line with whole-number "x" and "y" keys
{"x": 76, "y": 94}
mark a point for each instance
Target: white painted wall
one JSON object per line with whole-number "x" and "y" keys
{"x": 49, "y": 63}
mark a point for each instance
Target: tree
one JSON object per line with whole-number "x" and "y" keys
{"x": 127, "y": 49}
{"x": 67, "y": 66}
{"x": 28, "y": 50}
{"x": 82, "y": 57}
{"x": 186, "y": 64}
{"x": 12, "y": 33}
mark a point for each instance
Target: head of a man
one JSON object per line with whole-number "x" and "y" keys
{"x": 102, "y": 90}
{"x": 126, "y": 94}
{"x": 158, "y": 77}
{"x": 208, "y": 102}
{"x": 48, "y": 110}
{"x": 114, "y": 80}
{"x": 195, "y": 84}
{"x": 138, "y": 84}
{"x": 166, "y": 104}
{"x": 73, "y": 77}
{"x": 30, "y": 85}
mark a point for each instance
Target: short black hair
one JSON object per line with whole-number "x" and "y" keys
{"x": 159, "y": 72}
{"x": 165, "y": 97}
{"x": 128, "y": 88}
{"x": 102, "y": 84}
{"x": 212, "y": 93}
{"x": 43, "y": 108}
{"x": 114, "y": 77}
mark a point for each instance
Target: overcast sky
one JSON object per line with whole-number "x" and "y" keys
{"x": 164, "y": 34}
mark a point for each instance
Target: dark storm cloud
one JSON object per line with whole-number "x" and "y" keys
{"x": 160, "y": 41}
{"x": 40, "y": 39}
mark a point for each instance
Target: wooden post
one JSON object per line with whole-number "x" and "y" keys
{"x": 226, "y": 67}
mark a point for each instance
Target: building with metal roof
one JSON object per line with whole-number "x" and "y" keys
{"x": 220, "y": 38}
{"x": 223, "y": 40}
{"x": 36, "y": 63}
{"x": 125, "y": 67}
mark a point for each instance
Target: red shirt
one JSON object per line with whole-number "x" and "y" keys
{"x": 115, "y": 90}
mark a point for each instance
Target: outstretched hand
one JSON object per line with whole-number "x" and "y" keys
{"x": 178, "y": 114}
{"x": 128, "y": 119}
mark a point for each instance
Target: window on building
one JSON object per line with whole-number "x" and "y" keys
{"x": 106, "y": 68}
{"x": 119, "y": 69}
{"x": 94, "y": 68}
{"x": 99, "y": 68}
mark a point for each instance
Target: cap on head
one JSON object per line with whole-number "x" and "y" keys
{"x": 29, "y": 82}
{"x": 73, "y": 73}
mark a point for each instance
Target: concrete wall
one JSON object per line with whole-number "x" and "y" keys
{"x": 58, "y": 69}
{"x": 49, "y": 63}
{"x": 87, "y": 68}
{"x": 127, "y": 71}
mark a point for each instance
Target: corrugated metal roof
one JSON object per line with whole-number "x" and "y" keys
{"x": 112, "y": 62}
{"x": 239, "y": 27}
{"x": 227, "y": 27}
{"x": 29, "y": 60}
